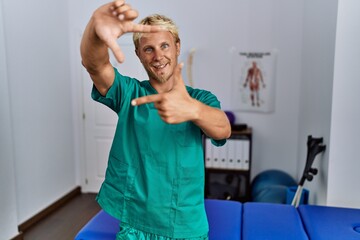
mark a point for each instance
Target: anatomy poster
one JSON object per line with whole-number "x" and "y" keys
{"x": 253, "y": 79}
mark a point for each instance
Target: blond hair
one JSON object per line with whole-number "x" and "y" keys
{"x": 158, "y": 20}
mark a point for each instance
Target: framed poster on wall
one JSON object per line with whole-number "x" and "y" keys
{"x": 253, "y": 80}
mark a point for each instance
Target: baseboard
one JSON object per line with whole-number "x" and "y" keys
{"x": 20, "y": 236}
{"x": 47, "y": 211}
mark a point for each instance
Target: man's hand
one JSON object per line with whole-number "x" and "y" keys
{"x": 106, "y": 25}
{"x": 174, "y": 106}
{"x": 114, "y": 19}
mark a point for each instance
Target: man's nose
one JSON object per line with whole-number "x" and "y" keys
{"x": 158, "y": 54}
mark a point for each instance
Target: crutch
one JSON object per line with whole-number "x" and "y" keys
{"x": 314, "y": 147}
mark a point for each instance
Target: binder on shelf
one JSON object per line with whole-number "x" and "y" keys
{"x": 234, "y": 155}
{"x": 246, "y": 154}
{"x": 231, "y": 153}
{"x": 216, "y": 156}
{"x": 239, "y": 157}
{"x": 223, "y": 157}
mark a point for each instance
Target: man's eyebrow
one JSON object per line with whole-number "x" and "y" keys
{"x": 167, "y": 42}
{"x": 151, "y": 46}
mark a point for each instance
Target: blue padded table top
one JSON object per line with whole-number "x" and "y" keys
{"x": 331, "y": 223}
{"x": 271, "y": 221}
{"x": 101, "y": 226}
{"x": 224, "y": 220}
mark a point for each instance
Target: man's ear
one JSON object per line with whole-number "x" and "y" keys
{"x": 137, "y": 54}
{"x": 178, "y": 48}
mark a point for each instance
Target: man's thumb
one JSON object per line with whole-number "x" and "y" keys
{"x": 115, "y": 48}
{"x": 178, "y": 77}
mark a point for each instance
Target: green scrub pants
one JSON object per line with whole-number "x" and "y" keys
{"x": 129, "y": 233}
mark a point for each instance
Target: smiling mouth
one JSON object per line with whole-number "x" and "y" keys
{"x": 159, "y": 66}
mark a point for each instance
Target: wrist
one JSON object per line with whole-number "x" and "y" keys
{"x": 196, "y": 111}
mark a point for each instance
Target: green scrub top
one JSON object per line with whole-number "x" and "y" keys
{"x": 154, "y": 180}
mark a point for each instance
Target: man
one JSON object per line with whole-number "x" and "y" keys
{"x": 154, "y": 181}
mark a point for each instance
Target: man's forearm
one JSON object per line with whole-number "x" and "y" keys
{"x": 212, "y": 121}
{"x": 95, "y": 58}
{"x": 94, "y": 52}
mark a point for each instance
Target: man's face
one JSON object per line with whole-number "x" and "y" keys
{"x": 158, "y": 53}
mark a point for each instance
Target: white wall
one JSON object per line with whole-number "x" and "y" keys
{"x": 316, "y": 88}
{"x": 328, "y": 109}
{"x": 38, "y": 73}
{"x": 8, "y": 207}
{"x": 344, "y": 160}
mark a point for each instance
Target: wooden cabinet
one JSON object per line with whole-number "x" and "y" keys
{"x": 227, "y": 168}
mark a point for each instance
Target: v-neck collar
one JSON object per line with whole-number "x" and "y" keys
{"x": 149, "y": 87}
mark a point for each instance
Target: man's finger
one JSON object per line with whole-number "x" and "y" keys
{"x": 118, "y": 3}
{"x": 115, "y": 48}
{"x": 147, "y": 99}
{"x": 147, "y": 28}
{"x": 129, "y": 15}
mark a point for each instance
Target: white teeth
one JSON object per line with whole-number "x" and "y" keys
{"x": 159, "y": 66}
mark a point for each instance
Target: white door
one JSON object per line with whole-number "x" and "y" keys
{"x": 100, "y": 121}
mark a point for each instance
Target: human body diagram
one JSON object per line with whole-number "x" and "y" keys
{"x": 254, "y": 78}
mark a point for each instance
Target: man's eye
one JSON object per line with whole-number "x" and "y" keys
{"x": 165, "y": 46}
{"x": 148, "y": 50}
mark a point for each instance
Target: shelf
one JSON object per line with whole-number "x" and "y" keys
{"x": 226, "y": 182}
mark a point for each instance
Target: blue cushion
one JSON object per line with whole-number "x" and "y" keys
{"x": 271, "y": 221}
{"x": 269, "y": 178}
{"x": 271, "y": 194}
{"x": 330, "y": 223}
{"x": 101, "y": 226}
{"x": 224, "y": 219}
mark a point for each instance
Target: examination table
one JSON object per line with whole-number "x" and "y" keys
{"x": 230, "y": 220}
